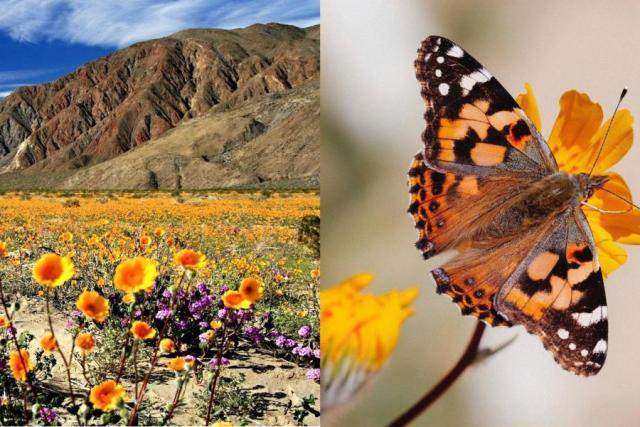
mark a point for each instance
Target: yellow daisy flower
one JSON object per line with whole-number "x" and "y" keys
{"x": 575, "y": 139}
{"x": 358, "y": 333}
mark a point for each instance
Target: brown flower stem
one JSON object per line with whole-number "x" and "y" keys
{"x": 18, "y": 349}
{"x": 135, "y": 367}
{"x": 155, "y": 356}
{"x": 123, "y": 358}
{"x": 176, "y": 400}
{"x": 216, "y": 375}
{"x": 83, "y": 365}
{"x": 64, "y": 359}
{"x": 464, "y": 362}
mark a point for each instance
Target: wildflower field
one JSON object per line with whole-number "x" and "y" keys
{"x": 158, "y": 308}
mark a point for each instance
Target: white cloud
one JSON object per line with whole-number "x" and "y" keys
{"x": 4, "y": 94}
{"x": 118, "y": 23}
{"x": 16, "y": 75}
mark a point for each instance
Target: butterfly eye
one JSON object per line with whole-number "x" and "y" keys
{"x": 589, "y": 193}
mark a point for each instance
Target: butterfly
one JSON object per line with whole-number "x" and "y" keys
{"x": 487, "y": 184}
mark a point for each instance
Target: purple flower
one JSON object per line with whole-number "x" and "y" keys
{"x": 69, "y": 324}
{"x": 302, "y": 351}
{"x": 183, "y": 325}
{"x": 251, "y": 330}
{"x": 222, "y": 313}
{"x": 189, "y": 359}
{"x": 202, "y": 288}
{"x": 11, "y": 331}
{"x": 76, "y": 313}
{"x": 204, "y": 325}
{"x": 124, "y": 323}
{"x": 305, "y": 331}
{"x": 313, "y": 374}
{"x": 223, "y": 289}
{"x": 137, "y": 313}
{"x": 281, "y": 340}
{"x": 290, "y": 343}
{"x": 48, "y": 415}
{"x": 215, "y": 362}
{"x": 316, "y": 353}
{"x": 274, "y": 333}
{"x": 259, "y": 338}
{"x": 163, "y": 314}
{"x": 203, "y": 338}
{"x": 167, "y": 293}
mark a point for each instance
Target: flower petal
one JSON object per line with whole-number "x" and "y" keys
{"x": 610, "y": 255}
{"x": 619, "y": 141}
{"x": 527, "y": 102}
{"x": 577, "y": 122}
{"x": 622, "y": 227}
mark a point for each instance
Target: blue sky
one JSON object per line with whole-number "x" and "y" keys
{"x": 41, "y": 40}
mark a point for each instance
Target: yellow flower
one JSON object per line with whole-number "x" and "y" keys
{"x": 20, "y": 364}
{"x": 251, "y": 289}
{"x": 128, "y": 298}
{"x": 223, "y": 424}
{"x": 49, "y": 343}
{"x": 167, "y": 345}
{"x": 358, "y": 333}
{"x": 66, "y": 236}
{"x": 137, "y": 274}
{"x": 234, "y": 299}
{"x": 93, "y": 305}
{"x": 107, "y": 395}
{"x": 158, "y": 232}
{"x": 3, "y": 249}
{"x": 52, "y": 270}
{"x": 575, "y": 140}
{"x": 142, "y": 330}
{"x": 176, "y": 364}
{"x": 190, "y": 259}
{"x": 85, "y": 342}
{"x": 215, "y": 324}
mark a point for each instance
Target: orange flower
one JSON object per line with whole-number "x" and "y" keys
{"x": 251, "y": 289}
{"x": 85, "y": 342}
{"x": 20, "y": 364}
{"x": 107, "y": 395}
{"x": 190, "y": 259}
{"x": 176, "y": 364}
{"x": 4, "y": 323}
{"x": 170, "y": 241}
{"x": 52, "y": 270}
{"x": 315, "y": 274}
{"x": 93, "y": 305}
{"x": 142, "y": 330}
{"x": 3, "y": 249}
{"x": 66, "y": 236}
{"x": 137, "y": 274}
{"x": 167, "y": 345}
{"x": 145, "y": 240}
{"x": 158, "y": 231}
{"x": 234, "y": 299}
{"x": 49, "y": 343}
{"x": 575, "y": 140}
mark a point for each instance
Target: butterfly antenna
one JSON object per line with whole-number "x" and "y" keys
{"x": 624, "y": 92}
{"x": 620, "y": 197}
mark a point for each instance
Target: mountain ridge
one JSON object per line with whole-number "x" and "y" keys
{"x": 109, "y": 106}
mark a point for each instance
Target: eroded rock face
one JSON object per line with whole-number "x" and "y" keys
{"x": 109, "y": 106}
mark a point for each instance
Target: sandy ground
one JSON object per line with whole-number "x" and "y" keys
{"x": 274, "y": 380}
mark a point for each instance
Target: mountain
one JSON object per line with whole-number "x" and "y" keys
{"x": 202, "y": 108}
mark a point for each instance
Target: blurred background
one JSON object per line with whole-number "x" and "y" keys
{"x": 371, "y": 125}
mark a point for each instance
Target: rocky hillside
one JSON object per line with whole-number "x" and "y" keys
{"x": 227, "y": 93}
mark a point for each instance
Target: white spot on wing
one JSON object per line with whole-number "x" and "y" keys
{"x": 440, "y": 59}
{"x": 443, "y": 88}
{"x": 563, "y": 333}
{"x": 584, "y": 352}
{"x": 601, "y": 347}
{"x": 572, "y": 346}
{"x": 481, "y": 75}
{"x": 455, "y": 51}
{"x": 438, "y": 72}
{"x": 586, "y": 319}
{"x": 426, "y": 57}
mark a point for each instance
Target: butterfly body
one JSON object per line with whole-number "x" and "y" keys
{"x": 488, "y": 185}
